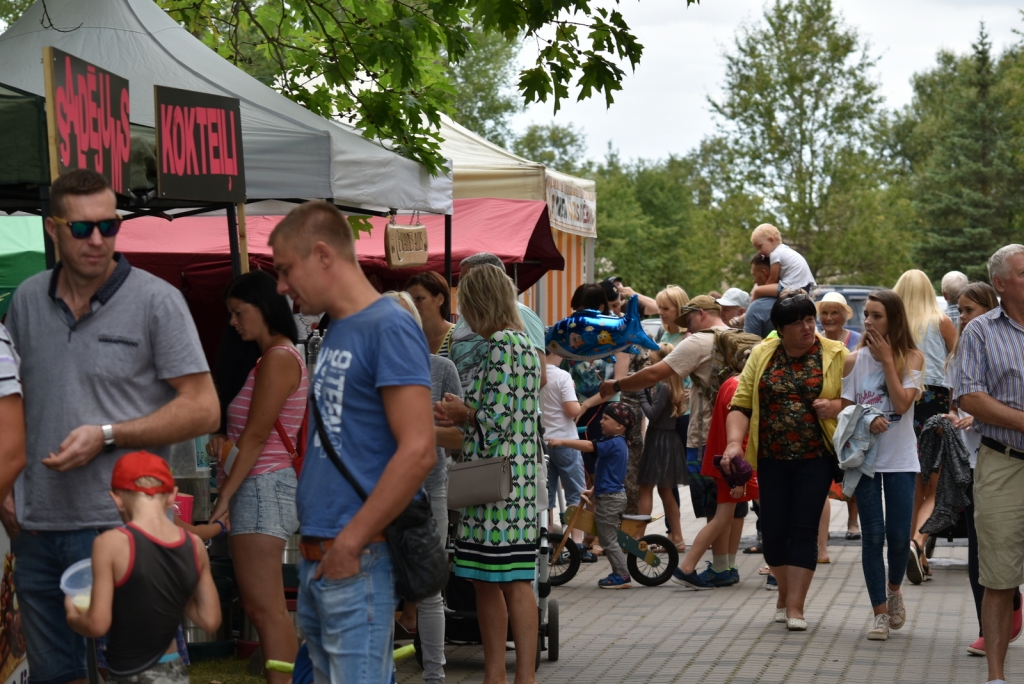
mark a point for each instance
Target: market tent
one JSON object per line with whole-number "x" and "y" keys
{"x": 289, "y": 151}
{"x": 483, "y": 169}
{"x": 21, "y": 254}
{"x": 192, "y": 254}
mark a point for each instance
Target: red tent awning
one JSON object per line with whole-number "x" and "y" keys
{"x": 193, "y": 253}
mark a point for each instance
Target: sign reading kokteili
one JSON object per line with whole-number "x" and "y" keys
{"x": 199, "y": 146}
{"x": 87, "y": 110}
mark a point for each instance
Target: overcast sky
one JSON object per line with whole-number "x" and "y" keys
{"x": 663, "y": 109}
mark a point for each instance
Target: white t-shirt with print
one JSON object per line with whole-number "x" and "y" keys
{"x": 559, "y": 389}
{"x": 897, "y": 446}
{"x": 793, "y": 269}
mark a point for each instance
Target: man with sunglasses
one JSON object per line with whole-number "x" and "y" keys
{"x": 110, "y": 362}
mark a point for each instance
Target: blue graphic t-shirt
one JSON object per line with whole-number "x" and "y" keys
{"x": 380, "y": 346}
{"x": 612, "y": 456}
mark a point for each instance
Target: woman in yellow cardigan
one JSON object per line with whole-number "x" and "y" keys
{"x": 787, "y": 402}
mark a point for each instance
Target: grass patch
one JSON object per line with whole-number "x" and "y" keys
{"x": 224, "y": 671}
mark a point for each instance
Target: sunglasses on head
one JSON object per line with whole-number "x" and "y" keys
{"x": 795, "y": 298}
{"x": 82, "y": 230}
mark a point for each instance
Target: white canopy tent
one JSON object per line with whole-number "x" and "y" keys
{"x": 482, "y": 169}
{"x": 290, "y": 152}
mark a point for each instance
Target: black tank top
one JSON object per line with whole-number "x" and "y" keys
{"x": 149, "y": 601}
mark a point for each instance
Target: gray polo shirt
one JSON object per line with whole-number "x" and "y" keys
{"x": 107, "y": 367}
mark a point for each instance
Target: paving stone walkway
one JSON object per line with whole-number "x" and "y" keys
{"x": 667, "y": 634}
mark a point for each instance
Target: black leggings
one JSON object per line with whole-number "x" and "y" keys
{"x": 793, "y": 494}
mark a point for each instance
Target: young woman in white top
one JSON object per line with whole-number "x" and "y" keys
{"x": 885, "y": 372}
{"x": 975, "y": 299}
{"x": 935, "y": 336}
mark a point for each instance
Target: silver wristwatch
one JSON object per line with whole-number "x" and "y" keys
{"x": 108, "y": 437}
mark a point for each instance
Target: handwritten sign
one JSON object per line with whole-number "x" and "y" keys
{"x": 199, "y": 146}
{"x": 87, "y": 110}
{"x": 571, "y": 209}
{"x": 405, "y": 246}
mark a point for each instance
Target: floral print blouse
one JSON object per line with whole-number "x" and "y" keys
{"x": 789, "y": 427}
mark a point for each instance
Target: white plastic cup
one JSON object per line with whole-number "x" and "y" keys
{"x": 76, "y": 582}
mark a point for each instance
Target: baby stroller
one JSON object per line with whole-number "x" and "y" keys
{"x": 461, "y": 626}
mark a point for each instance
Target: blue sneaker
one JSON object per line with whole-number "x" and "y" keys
{"x": 614, "y": 581}
{"x": 771, "y": 584}
{"x": 716, "y": 579}
{"x": 691, "y": 580}
{"x": 585, "y": 555}
{"x": 735, "y": 572}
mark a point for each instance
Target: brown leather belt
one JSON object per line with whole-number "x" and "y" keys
{"x": 1001, "y": 448}
{"x": 314, "y": 549}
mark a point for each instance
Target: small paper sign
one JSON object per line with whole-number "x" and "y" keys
{"x": 405, "y": 246}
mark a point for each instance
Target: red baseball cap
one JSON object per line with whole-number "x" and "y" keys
{"x": 131, "y": 467}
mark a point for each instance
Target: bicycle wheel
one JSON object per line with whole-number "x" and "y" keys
{"x": 565, "y": 567}
{"x": 654, "y": 575}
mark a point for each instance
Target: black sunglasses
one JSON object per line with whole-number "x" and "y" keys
{"x": 83, "y": 229}
{"x": 794, "y": 298}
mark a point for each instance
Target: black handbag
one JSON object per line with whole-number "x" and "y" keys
{"x": 417, "y": 553}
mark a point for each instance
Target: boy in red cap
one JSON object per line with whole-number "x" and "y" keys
{"x": 609, "y": 485}
{"x": 146, "y": 576}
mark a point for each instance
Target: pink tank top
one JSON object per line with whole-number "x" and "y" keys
{"x": 275, "y": 455}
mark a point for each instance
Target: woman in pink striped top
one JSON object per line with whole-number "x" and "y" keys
{"x": 259, "y": 491}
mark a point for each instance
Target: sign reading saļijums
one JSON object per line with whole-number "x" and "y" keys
{"x": 199, "y": 146}
{"x": 87, "y": 111}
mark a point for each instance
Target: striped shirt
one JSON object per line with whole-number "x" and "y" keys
{"x": 274, "y": 455}
{"x": 10, "y": 380}
{"x": 990, "y": 354}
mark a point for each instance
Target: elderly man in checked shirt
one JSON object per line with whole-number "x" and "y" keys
{"x": 992, "y": 390}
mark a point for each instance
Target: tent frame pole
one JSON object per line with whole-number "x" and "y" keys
{"x": 44, "y": 210}
{"x": 448, "y": 249}
{"x": 236, "y": 257}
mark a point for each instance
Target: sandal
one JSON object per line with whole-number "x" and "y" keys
{"x": 915, "y": 571}
{"x": 764, "y": 571}
{"x": 852, "y": 536}
{"x": 756, "y": 548}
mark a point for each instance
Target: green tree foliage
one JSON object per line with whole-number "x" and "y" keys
{"x": 484, "y": 83}
{"x": 11, "y": 10}
{"x": 800, "y": 125}
{"x": 966, "y": 158}
{"x": 562, "y": 148}
{"x": 383, "y": 64}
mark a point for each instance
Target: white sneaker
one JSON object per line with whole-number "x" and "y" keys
{"x": 879, "y": 628}
{"x": 897, "y": 611}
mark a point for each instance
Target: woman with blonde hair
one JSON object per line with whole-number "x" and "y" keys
{"x": 935, "y": 336}
{"x": 671, "y": 301}
{"x": 496, "y": 545}
{"x": 663, "y": 464}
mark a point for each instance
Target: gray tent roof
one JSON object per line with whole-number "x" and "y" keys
{"x": 289, "y": 151}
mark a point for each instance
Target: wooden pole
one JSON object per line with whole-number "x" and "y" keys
{"x": 243, "y": 239}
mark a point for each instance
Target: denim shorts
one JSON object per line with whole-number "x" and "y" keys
{"x": 265, "y": 504}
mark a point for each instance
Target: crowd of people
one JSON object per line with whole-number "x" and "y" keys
{"x": 764, "y": 400}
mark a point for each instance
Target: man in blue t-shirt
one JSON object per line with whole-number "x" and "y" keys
{"x": 372, "y": 388}
{"x": 758, "y": 318}
{"x": 609, "y": 489}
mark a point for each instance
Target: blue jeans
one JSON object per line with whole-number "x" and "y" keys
{"x": 349, "y": 623}
{"x": 55, "y": 653}
{"x": 878, "y": 528}
{"x": 565, "y": 464}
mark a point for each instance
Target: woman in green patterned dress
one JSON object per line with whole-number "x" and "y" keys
{"x": 496, "y": 547}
